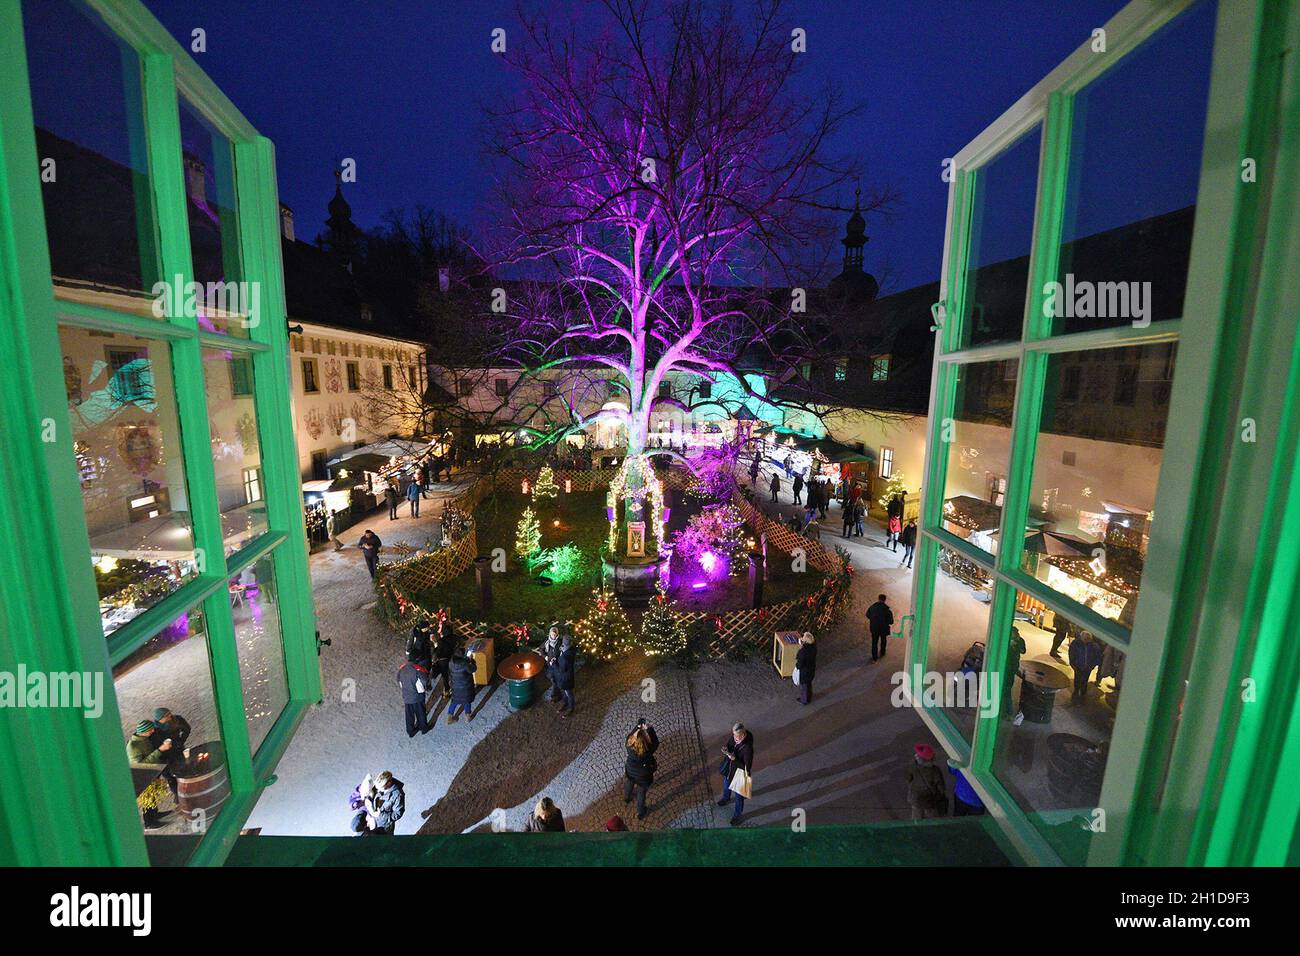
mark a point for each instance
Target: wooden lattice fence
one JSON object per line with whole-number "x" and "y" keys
{"x": 786, "y": 539}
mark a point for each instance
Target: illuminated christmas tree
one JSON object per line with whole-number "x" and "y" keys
{"x": 896, "y": 486}
{"x": 546, "y": 486}
{"x": 662, "y": 631}
{"x": 528, "y": 535}
{"x": 604, "y": 631}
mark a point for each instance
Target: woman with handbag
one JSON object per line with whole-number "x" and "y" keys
{"x": 736, "y": 769}
{"x": 805, "y": 666}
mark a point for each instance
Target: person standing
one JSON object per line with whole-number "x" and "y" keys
{"x": 859, "y": 512}
{"x": 737, "y": 754}
{"x": 426, "y": 475}
{"x": 881, "y": 620}
{"x": 1085, "y": 656}
{"x": 775, "y": 486}
{"x": 370, "y": 546}
{"x": 1016, "y": 648}
{"x": 965, "y": 801}
{"x": 444, "y": 649}
{"x": 392, "y": 497}
{"x": 419, "y": 646}
{"x": 753, "y": 471}
{"x": 846, "y": 512}
{"x": 797, "y": 487}
{"x": 805, "y": 666}
{"x": 908, "y": 538}
{"x": 927, "y": 794}
{"x": 640, "y": 766}
{"x": 550, "y": 654}
{"x": 413, "y": 495}
{"x": 564, "y": 672}
{"x": 463, "y": 688}
{"x": 894, "y": 516}
{"x": 413, "y": 679}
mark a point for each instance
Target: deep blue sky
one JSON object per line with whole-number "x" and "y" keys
{"x": 397, "y": 85}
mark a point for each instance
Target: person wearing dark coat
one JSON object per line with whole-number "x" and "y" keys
{"x": 463, "y": 688}
{"x": 927, "y": 794}
{"x": 563, "y": 673}
{"x": 908, "y": 540}
{"x": 753, "y": 472}
{"x": 797, "y": 488}
{"x": 737, "y": 752}
{"x": 419, "y": 647}
{"x": 881, "y": 619}
{"x": 413, "y": 679}
{"x": 385, "y": 805}
{"x": 805, "y": 665}
{"x": 1085, "y": 656}
{"x": 444, "y": 649}
{"x": 550, "y": 652}
{"x": 545, "y": 818}
{"x": 775, "y": 486}
{"x": 847, "y": 515}
{"x": 640, "y": 766}
{"x": 392, "y": 496}
{"x": 370, "y": 546}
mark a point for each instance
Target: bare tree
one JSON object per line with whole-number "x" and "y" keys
{"x": 670, "y": 176}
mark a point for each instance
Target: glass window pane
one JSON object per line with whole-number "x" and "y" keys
{"x": 1135, "y": 163}
{"x": 1066, "y": 691}
{"x": 127, "y": 441}
{"x": 959, "y": 623}
{"x": 236, "y": 452}
{"x": 255, "y": 606}
{"x": 173, "y": 738}
{"x": 214, "y": 228}
{"x": 1001, "y": 233}
{"x": 1096, "y": 466}
{"x": 979, "y": 446}
{"x": 88, "y": 111}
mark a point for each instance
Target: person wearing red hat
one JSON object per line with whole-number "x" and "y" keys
{"x": 927, "y": 793}
{"x": 615, "y": 825}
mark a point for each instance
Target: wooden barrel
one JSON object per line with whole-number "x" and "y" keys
{"x": 203, "y": 784}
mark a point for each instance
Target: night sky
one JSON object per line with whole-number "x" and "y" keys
{"x": 398, "y": 86}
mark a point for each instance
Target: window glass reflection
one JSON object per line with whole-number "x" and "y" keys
{"x": 959, "y": 622}
{"x": 236, "y": 449}
{"x": 126, "y": 437}
{"x": 1096, "y": 467}
{"x": 978, "y": 451}
{"x": 88, "y": 111}
{"x": 1054, "y": 741}
{"x": 1001, "y": 233}
{"x": 255, "y": 607}
{"x": 173, "y": 738}
{"x": 1134, "y": 174}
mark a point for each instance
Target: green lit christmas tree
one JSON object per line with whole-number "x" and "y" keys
{"x": 604, "y": 632}
{"x": 662, "y": 631}
{"x": 528, "y": 535}
{"x": 546, "y": 486}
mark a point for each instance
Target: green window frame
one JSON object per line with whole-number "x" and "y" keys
{"x": 88, "y": 815}
{"x": 1247, "y": 98}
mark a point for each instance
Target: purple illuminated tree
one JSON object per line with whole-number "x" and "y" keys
{"x": 666, "y": 179}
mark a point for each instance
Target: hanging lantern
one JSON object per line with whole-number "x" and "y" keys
{"x": 568, "y": 485}
{"x": 524, "y": 486}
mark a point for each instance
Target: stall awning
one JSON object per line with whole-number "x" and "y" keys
{"x": 839, "y": 454}
{"x": 972, "y": 513}
{"x": 359, "y": 463}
